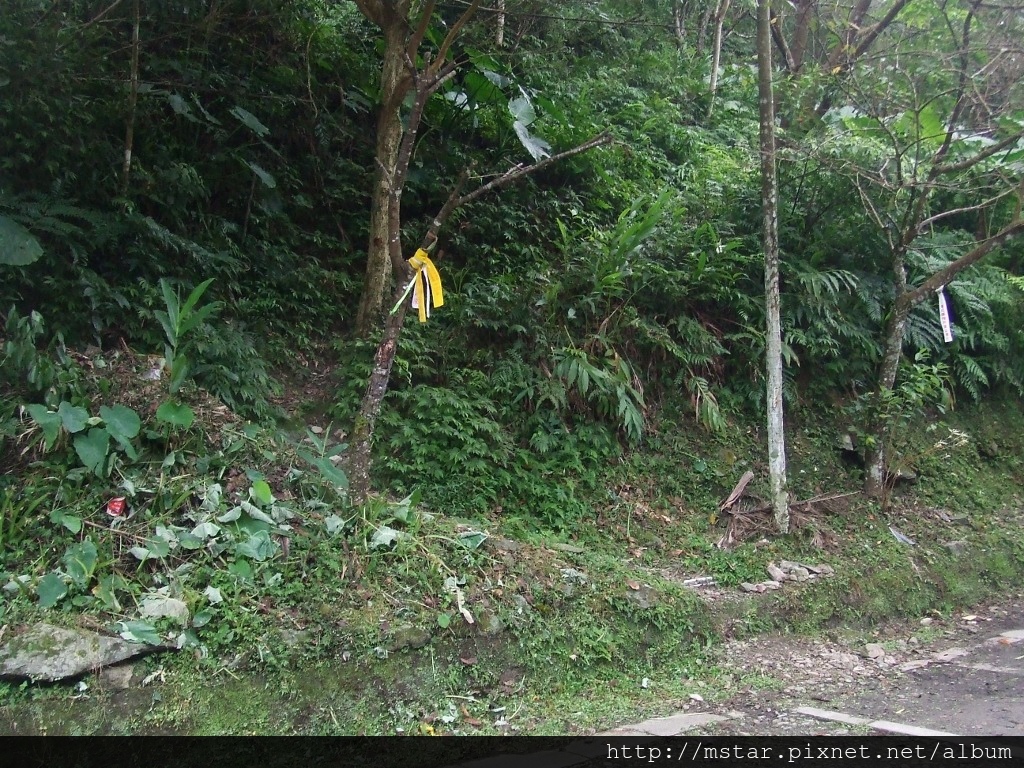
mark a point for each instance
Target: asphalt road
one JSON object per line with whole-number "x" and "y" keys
{"x": 979, "y": 692}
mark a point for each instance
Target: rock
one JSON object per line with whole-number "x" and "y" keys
{"x": 570, "y": 548}
{"x": 158, "y": 606}
{"x": 776, "y": 573}
{"x": 957, "y": 547}
{"x": 821, "y": 570}
{"x": 292, "y": 638}
{"x": 907, "y": 666}
{"x": 118, "y": 678}
{"x": 573, "y": 576}
{"x": 874, "y": 650}
{"x": 489, "y": 623}
{"x": 522, "y": 604}
{"x": 949, "y": 655}
{"x": 746, "y": 586}
{"x": 800, "y": 574}
{"x": 408, "y": 636}
{"x": 503, "y": 545}
{"x": 48, "y": 654}
{"x": 645, "y": 597}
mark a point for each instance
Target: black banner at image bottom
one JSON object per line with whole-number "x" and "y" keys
{"x": 507, "y": 752}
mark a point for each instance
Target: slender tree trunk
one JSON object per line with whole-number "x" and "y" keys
{"x": 876, "y": 457}
{"x": 770, "y": 209}
{"x": 395, "y": 84}
{"x": 702, "y": 29}
{"x": 906, "y": 299}
{"x": 716, "y": 51}
{"x": 499, "y": 31}
{"x": 133, "y": 100}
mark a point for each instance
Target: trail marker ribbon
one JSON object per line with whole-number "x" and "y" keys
{"x": 426, "y": 285}
{"x": 947, "y": 329}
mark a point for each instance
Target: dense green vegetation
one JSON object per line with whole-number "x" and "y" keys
{"x": 185, "y": 221}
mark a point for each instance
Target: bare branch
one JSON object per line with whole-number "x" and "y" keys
{"x": 512, "y": 174}
{"x": 453, "y": 33}
{"x": 944, "y": 275}
{"x": 421, "y": 29}
{"x": 970, "y": 162}
{"x": 781, "y": 44}
{"x": 965, "y": 209}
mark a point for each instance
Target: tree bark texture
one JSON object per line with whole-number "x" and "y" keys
{"x": 716, "y": 51}
{"x": 395, "y": 84}
{"x": 770, "y": 206}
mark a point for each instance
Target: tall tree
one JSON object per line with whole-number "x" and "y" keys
{"x": 403, "y": 32}
{"x": 953, "y": 152}
{"x": 402, "y": 77}
{"x": 770, "y": 211}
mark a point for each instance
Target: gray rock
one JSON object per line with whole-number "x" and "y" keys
{"x": 821, "y": 570}
{"x": 800, "y": 574}
{"x": 570, "y": 548}
{"x": 776, "y": 573}
{"x": 293, "y": 638}
{"x": 503, "y": 545}
{"x": 409, "y": 636}
{"x": 118, "y": 678}
{"x": 644, "y": 598}
{"x": 489, "y": 623}
{"x": 48, "y": 654}
{"x": 874, "y": 650}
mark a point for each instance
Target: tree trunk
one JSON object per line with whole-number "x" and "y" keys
{"x": 395, "y": 84}
{"x": 361, "y": 439}
{"x": 716, "y": 51}
{"x": 770, "y": 205}
{"x": 876, "y": 458}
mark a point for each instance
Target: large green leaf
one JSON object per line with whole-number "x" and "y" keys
{"x": 74, "y": 418}
{"x": 93, "y": 448}
{"x": 536, "y": 146}
{"x": 175, "y": 414}
{"x": 121, "y": 421}
{"x": 49, "y": 422}
{"x": 250, "y": 121}
{"x": 50, "y": 590}
{"x": 18, "y": 246}
{"x": 522, "y": 110}
{"x": 80, "y": 562}
{"x": 263, "y": 175}
{"x": 137, "y": 632}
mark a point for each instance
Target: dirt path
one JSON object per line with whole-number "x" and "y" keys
{"x": 962, "y": 674}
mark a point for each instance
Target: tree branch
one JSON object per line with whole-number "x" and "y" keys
{"x": 944, "y": 275}
{"x": 421, "y": 29}
{"x": 781, "y": 44}
{"x": 994, "y": 149}
{"x": 517, "y": 172}
{"x": 453, "y": 33}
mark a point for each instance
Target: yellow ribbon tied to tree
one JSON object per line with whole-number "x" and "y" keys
{"x": 426, "y": 285}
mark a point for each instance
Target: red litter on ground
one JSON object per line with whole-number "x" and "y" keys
{"x": 115, "y": 507}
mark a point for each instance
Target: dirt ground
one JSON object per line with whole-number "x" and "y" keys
{"x": 947, "y": 673}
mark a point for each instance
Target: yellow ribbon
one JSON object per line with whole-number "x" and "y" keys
{"x": 427, "y": 289}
